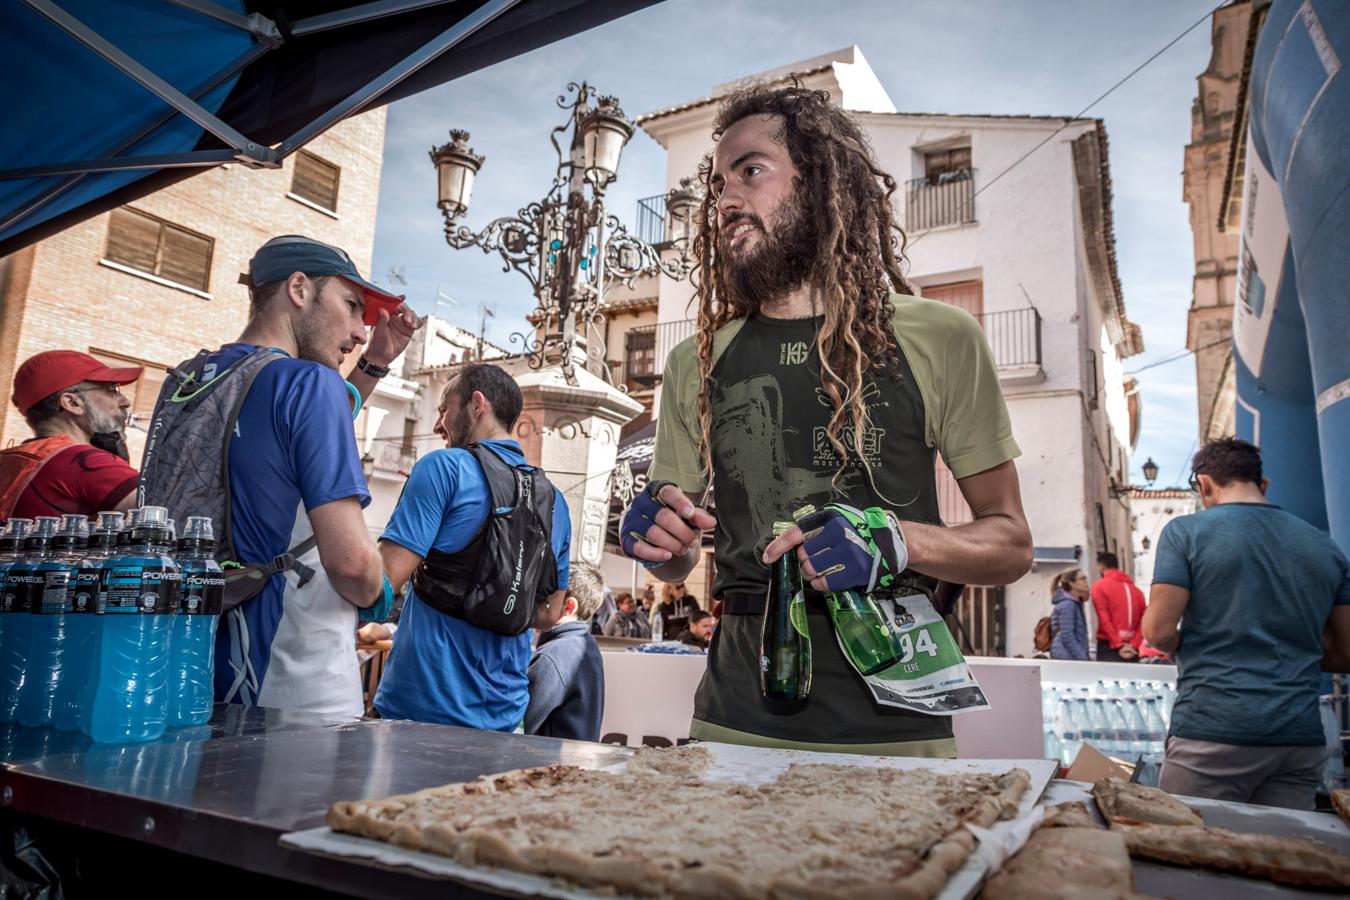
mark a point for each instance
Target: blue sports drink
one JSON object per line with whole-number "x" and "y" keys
{"x": 11, "y": 551}
{"x": 47, "y": 650}
{"x": 23, "y": 588}
{"x": 121, "y": 546}
{"x": 81, "y": 618}
{"x": 141, "y": 599}
{"x": 192, "y": 649}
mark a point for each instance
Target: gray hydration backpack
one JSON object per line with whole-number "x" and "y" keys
{"x": 186, "y": 467}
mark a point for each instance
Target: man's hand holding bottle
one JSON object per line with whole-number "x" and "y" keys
{"x": 662, "y": 524}
{"x": 842, "y": 547}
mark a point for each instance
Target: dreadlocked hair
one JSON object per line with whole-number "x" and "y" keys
{"x": 858, "y": 253}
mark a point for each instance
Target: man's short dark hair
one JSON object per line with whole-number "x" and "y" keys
{"x": 496, "y": 385}
{"x": 49, "y": 406}
{"x": 1228, "y": 459}
{"x": 261, "y": 296}
{"x": 1108, "y": 559}
{"x": 699, "y": 615}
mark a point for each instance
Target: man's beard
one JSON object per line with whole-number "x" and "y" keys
{"x": 309, "y": 341}
{"x": 459, "y": 428}
{"x": 782, "y": 262}
{"x": 108, "y": 432}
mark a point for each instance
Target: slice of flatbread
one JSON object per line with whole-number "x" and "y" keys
{"x": 825, "y": 832}
{"x": 1126, "y": 803}
{"x": 1293, "y": 861}
{"x": 1066, "y": 864}
{"x": 1341, "y": 801}
{"x": 1074, "y": 814}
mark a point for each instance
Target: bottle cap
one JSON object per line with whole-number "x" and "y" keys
{"x": 780, "y": 527}
{"x": 19, "y": 527}
{"x": 198, "y": 529}
{"x": 133, "y": 518}
{"x": 74, "y": 525}
{"x": 46, "y": 526}
{"x": 109, "y": 521}
{"x": 154, "y": 517}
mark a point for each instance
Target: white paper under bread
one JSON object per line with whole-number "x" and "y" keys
{"x": 746, "y": 765}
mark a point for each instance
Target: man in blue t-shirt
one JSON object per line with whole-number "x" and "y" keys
{"x": 295, "y": 472}
{"x": 443, "y": 669}
{"x": 1254, "y": 604}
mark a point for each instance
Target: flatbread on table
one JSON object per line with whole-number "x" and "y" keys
{"x": 1294, "y": 861}
{"x": 1073, "y": 814}
{"x": 660, "y": 830}
{"x": 1126, "y": 803}
{"x": 1340, "y": 800}
{"x": 1066, "y": 863}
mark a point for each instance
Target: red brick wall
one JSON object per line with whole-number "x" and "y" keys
{"x": 70, "y": 299}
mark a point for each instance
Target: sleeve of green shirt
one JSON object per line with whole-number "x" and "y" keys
{"x": 676, "y": 457}
{"x": 966, "y": 416}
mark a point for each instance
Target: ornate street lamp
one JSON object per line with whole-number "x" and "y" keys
{"x": 567, "y": 245}
{"x": 1150, "y": 470}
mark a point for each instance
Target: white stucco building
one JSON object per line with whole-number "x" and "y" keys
{"x": 1032, "y": 255}
{"x": 395, "y": 427}
{"x": 1151, "y": 509}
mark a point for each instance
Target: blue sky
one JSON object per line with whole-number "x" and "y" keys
{"x": 1047, "y": 57}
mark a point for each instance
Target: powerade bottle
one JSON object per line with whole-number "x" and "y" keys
{"x": 865, "y": 635}
{"x": 81, "y": 619}
{"x": 47, "y": 654}
{"x": 191, "y": 669}
{"x": 121, "y": 547}
{"x": 131, "y": 696}
{"x": 784, "y": 638}
{"x": 11, "y": 551}
{"x": 23, "y": 587}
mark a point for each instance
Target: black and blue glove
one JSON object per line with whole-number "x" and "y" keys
{"x": 639, "y": 518}
{"x": 851, "y": 548}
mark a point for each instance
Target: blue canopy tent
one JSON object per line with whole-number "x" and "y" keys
{"x": 113, "y": 99}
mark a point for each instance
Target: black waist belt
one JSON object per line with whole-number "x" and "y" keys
{"x": 745, "y": 604}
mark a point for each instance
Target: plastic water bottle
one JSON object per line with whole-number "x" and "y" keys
{"x": 1071, "y": 733}
{"x": 47, "y": 649}
{"x": 1101, "y": 725}
{"x": 191, "y": 669}
{"x": 82, "y": 615}
{"x": 121, "y": 546}
{"x": 1135, "y": 726}
{"x": 11, "y": 551}
{"x": 658, "y": 627}
{"x": 141, "y": 587}
{"x": 1157, "y": 730}
{"x": 23, "y": 589}
{"x": 1053, "y": 748}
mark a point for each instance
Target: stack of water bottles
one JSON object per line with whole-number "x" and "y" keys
{"x": 108, "y": 626}
{"x": 1124, "y": 719}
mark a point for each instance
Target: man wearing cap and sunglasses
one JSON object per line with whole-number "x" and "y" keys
{"x": 295, "y": 488}
{"x": 77, "y": 460}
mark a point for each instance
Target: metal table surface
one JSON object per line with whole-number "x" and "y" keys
{"x": 226, "y": 791}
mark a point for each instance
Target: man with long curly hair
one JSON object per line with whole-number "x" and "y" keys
{"x": 815, "y": 377}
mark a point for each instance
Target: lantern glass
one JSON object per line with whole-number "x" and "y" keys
{"x": 603, "y": 138}
{"x": 455, "y": 185}
{"x": 1150, "y": 470}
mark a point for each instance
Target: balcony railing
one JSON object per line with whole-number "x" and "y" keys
{"x": 946, "y": 199}
{"x": 392, "y": 458}
{"x": 646, "y": 349}
{"x": 1014, "y": 335}
{"x": 652, "y": 225}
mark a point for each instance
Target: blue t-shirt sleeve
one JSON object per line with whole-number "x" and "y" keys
{"x": 1172, "y": 564}
{"x": 322, "y": 441}
{"x": 421, "y": 508}
{"x": 562, "y": 538}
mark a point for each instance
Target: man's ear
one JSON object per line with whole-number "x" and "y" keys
{"x": 296, "y": 286}
{"x": 1265, "y": 483}
{"x": 72, "y": 403}
{"x": 569, "y": 605}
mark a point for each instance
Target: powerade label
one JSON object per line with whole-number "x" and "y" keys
{"x": 55, "y": 592}
{"x": 203, "y": 594}
{"x": 26, "y": 593}
{"x": 84, "y": 591}
{"x": 9, "y": 602}
{"x": 145, "y": 590}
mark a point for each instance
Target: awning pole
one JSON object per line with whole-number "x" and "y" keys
{"x": 258, "y": 25}
{"x": 354, "y": 15}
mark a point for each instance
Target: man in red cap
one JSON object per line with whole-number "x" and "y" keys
{"x": 76, "y": 462}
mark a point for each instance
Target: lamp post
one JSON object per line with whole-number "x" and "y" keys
{"x": 567, "y": 245}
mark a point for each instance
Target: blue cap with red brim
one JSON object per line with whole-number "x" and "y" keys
{"x": 283, "y": 256}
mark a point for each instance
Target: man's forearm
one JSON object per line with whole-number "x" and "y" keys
{"x": 363, "y": 383}
{"x": 1167, "y": 641}
{"x": 990, "y": 550}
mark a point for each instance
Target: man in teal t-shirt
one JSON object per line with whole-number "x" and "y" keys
{"x": 1243, "y": 596}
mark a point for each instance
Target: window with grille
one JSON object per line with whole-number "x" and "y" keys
{"x": 149, "y": 244}
{"x": 316, "y": 180}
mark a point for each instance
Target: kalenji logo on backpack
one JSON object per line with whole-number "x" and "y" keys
{"x": 508, "y": 568}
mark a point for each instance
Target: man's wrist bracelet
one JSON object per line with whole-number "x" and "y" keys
{"x": 371, "y": 369}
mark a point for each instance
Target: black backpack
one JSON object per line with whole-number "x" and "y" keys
{"x": 498, "y": 579}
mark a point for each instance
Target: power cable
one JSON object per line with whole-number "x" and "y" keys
{"x": 1180, "y": 354}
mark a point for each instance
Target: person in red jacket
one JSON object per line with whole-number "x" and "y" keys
{"x": 1120, "y": 612}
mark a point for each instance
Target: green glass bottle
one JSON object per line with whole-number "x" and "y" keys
{"x": 868, "y": 640}
{"x": 784, "y": 640}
